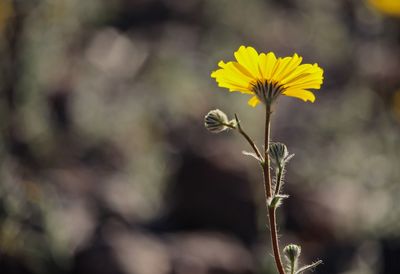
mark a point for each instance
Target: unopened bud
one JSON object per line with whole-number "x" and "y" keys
{"x": 279, "y": 154}
{"x": 216, "y": 121}
{"x": 292, "y": 253}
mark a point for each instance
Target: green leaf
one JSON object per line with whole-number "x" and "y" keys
{"x": 308, "y": 267}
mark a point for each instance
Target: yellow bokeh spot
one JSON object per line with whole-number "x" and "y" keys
{"x": 6, "y": 12}
{"x": 387, "y": 7}
{"x": 396, "y": 105}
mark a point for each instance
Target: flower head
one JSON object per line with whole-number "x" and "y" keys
{"x": 266, "y": 77}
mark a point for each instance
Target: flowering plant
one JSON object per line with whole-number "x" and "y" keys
{"x": 265, "y": 78}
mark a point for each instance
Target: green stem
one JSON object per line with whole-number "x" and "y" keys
{"x": 268, "y": 194}
{"x": 278, "y": 180}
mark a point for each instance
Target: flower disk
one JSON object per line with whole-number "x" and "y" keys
{"x": 266, "y": 77}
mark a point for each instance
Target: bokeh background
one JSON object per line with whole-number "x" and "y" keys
{"x": 106, "y": 167}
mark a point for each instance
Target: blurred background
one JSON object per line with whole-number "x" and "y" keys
{"x": 106, "y": 167}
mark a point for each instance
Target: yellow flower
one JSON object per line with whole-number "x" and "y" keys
{"x": 388, "y": 7}
{"x": 266, "y": 77}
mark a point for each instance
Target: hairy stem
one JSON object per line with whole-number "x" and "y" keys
{"x": 248, "y": 139}
{"x": 278, "y": 181}
{"x": 268, "y": 194}
{"x": 292, "y": 267}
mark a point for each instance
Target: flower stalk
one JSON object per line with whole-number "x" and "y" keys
{"x": 275, "y": 155}
{"x": 278, "y": 182}
{"x": 250, "y": 141}
{"x": 268, "y": 194}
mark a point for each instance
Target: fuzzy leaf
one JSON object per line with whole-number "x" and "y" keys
{"x": 308, "y": 267}
{"x": 252, "y": 154}
{"x": 288, "y": 158}
{"x": 276, "y": 201}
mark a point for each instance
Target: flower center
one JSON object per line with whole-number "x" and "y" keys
{"x": 266, "y": 91}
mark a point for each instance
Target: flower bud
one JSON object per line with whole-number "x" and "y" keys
{"x": 216, "y": 121}
{"x": 292, "y": 253}
{"x": 279, "y": 154}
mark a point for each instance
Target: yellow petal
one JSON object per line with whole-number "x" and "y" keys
{"x": 248, "y": 58}
{"x": 289, "y": 67}
{"x": 280, "y": 67}
{"x": 233, "y": 87}
{"x": 266, "y": 64}
{"x": 299, "y": 72}
{"x": 221, "y": 64}
{"x": 232, "y": 73}
{"x": 253, "y": 101}
{"x": 306, "y": 81}
{"x": 302, "y": 94}
{"x": 243, "y": 71}
{"x": 275, "y": 68}
{"x": 307, "y": 85}
{"x": 302, "y": 74}
{"x": 224, "y": 78}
